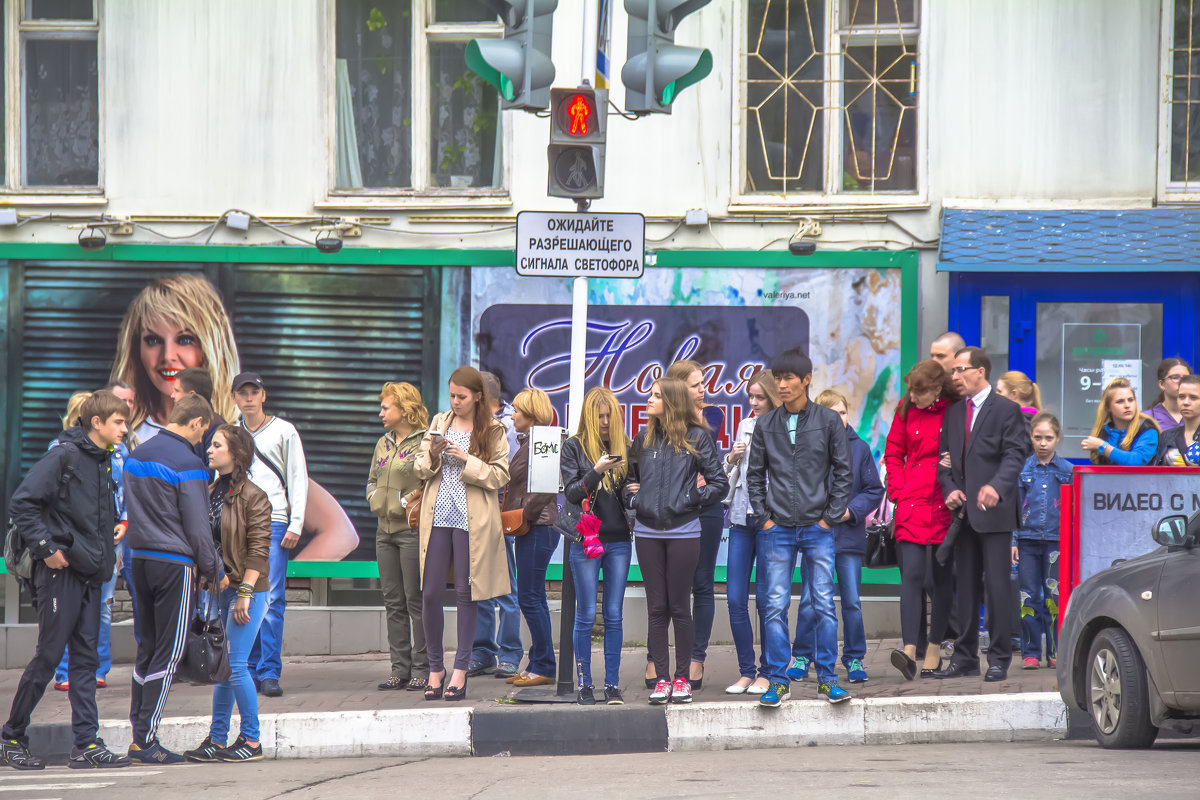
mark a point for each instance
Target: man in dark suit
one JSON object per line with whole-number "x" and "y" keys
{"x": 988, "y": 441}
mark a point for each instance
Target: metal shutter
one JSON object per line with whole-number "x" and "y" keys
{"x": 70, "y": 313}
{"x": 325, "y": 339}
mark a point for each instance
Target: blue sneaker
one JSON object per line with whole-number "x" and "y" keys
{"x": 832, "y": 692}
{"x": 154, "y": 753}
{"x": 798, "y": 671}
{"x": 855, "y": 672}
{"x": 774, "y": 696}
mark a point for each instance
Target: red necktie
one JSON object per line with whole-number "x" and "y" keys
{"x": 967, "y": 432}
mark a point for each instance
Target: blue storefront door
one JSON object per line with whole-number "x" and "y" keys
{"x": 1072, "y": 332}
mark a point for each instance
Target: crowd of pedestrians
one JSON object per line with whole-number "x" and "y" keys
{"x": 192, "y": 506}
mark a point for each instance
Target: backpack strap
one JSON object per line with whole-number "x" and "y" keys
{"x": 271, "y": 465}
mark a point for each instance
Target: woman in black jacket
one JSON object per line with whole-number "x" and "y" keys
{"x": 594, "y": 469}
{"x": 663, "y": 490}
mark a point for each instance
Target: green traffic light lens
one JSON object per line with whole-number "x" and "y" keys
{"x": 480, "y": 66}
{"x": 698, "y": 73}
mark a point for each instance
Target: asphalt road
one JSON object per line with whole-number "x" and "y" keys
{"x": 1056, "y": 769}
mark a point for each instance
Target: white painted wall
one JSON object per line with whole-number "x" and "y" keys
{"x": 213, "y": 104}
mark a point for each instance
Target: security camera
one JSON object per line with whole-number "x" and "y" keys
{"x": 802, "y": 247}
{"x": 329, "y": 241}
{"x": 92, "y": 238}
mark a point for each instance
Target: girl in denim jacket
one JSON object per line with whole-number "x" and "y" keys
{"x": 1035, "y": 543}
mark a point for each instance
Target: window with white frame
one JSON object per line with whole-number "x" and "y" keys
{"x": 1182, "y": 134}
{"x": 52, "y": 96}
{"x": 410, "y": 117}
{"x": 830, "y": 102}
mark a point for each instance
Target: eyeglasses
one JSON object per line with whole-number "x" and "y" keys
{"x": 961, "y": 370}
{"x": 1174, "y": 378}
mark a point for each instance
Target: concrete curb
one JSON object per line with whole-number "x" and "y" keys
{"x": 573, "y": 730}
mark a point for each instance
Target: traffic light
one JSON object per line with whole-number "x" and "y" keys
{"x": 577, "y": 139}
{"x": 518, "y": 65}
{"x": 656, "y": 70}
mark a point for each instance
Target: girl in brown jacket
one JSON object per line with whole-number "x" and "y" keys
{"x": 240, "y": 514}
{"x": 464, "y": 460}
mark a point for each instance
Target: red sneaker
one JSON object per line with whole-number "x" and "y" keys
{"x": 1030, "y": 663}
{"x": 62, "y": 686}
{"x": 681, "y": 691}
{"x": 1053, "y": 663}
{"x": 101, "y": 683}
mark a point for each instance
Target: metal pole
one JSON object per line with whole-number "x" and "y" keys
{"x": 591, "y": 29}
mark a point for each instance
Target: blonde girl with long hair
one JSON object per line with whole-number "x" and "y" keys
{"x": 594, "y": 468}
{"x": 1017, "y": 386}
{"x": 1122, "y": 434}
{"x": 666, "y": 460}
{"x": 743, "y": 533}
{"x": 174, "y": 323}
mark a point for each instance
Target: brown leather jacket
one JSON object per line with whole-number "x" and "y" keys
{"x": 246, "y": 534}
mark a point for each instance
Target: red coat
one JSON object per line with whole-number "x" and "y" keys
{"x": 911, "y": 458}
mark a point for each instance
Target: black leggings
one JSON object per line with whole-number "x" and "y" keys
{"x": 667, "y": 568}
{"x": 712, "y": 525}
{"x": 446, "y": 545}
{"x": 917, "y": 561}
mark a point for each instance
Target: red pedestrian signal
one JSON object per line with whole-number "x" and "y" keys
{"x": 577, "y": 139}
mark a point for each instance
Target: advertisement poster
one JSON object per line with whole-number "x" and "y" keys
{"x": 1092, "y": 354}
{"x": 732, "y": 321}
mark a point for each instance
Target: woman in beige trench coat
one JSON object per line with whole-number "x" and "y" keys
{"x": 464, "y": 461}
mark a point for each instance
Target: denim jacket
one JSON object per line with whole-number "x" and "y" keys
{"x": 1040, "y": 498}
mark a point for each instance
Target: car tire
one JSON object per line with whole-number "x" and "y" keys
{"x": 1117, "y": 694}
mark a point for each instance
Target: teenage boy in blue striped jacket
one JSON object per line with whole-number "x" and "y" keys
{"x": 166, "y": 497}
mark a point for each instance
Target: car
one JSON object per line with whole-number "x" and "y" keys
{"x": 1129, "y": 645}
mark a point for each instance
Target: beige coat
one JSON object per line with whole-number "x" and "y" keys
{"x": 482, "y": 479}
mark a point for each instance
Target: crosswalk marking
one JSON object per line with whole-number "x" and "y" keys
{"x": 45, "y": 787}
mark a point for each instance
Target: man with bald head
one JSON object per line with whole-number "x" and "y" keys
{"x": 944, "y": 347}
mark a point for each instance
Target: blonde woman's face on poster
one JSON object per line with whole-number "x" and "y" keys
{"x": 167, "y": 349}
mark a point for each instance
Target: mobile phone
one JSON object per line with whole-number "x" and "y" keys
{"x": 616, "y": 458}
{"x": 435, "y": 437}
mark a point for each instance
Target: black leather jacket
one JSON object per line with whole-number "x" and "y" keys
{"x": 800, "y": 491}
{"x": 580, "y": 480}
{"x": 668, "y": 496}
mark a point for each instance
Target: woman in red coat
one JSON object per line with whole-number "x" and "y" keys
{"x": 921, "y": 518}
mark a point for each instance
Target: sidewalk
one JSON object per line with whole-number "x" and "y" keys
{"x": 331, "y": 707}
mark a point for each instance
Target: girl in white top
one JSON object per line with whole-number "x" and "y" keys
{"x": 743, "y": 533}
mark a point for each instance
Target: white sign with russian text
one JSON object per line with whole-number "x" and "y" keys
{"x": 569, "y": 245}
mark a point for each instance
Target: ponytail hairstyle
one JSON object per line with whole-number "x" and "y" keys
{"x": 594, "y": 445}
{"x": 470, "y": 379}
{"x": 1021, "y": 387}
{"x": 678, "y": 414}
{"x": 1160, "y": 374}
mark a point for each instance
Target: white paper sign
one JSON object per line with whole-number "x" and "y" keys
{"x": 545, "y": 451}
{"x": 569, "y": 245}
{"x": 1128, "y": 368}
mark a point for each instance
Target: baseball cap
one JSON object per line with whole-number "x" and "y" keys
{"x": 244, "y": 378}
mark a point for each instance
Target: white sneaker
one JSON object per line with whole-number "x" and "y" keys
{"x": 681, "y": 691}
{"x": 661, "y": 693}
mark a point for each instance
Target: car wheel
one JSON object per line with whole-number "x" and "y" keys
{"x": 1118, "y": 697}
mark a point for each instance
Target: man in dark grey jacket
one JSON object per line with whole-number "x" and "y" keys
{"x": 166, "y": 495}
{"x": 795, "y": 449}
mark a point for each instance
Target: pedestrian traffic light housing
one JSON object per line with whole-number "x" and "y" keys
{"x": 518, "y": 65}
{"x": 656, "y": 69}
{"x": 577, "y": 140}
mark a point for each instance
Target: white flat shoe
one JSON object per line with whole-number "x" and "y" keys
{"x": 736, "y": 688}
{"x": 754, "y": 688}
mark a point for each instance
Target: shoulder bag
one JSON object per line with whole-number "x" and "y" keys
{"x": 206, "y": 649}
{"x": 881, "y": 539}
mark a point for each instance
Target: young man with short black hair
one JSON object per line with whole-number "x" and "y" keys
{"x": 166, "y": 496}
{"x": 799, "y": 477}
{"x": 280, "y": 470}
{"x": 65, "y": 511}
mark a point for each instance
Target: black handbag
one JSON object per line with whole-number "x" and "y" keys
{"x": 206, "y": 650}
{"x": 881, "y": 539}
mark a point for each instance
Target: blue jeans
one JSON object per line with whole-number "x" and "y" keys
{"x": 127, "y": 574}
{"x": 103, "y": 643}
{"x": 849, "y": 586}
{"x": 740, "y": 564}
{"x": 504, "y": 644}
{"x": 1037, "y": 570}
{"x": 777, "y": 551}
{"x": 533, "y": 551}
{"x": 266, "y": 656}
{"x": 586, "y": 572}
{"x": 240, "y": 686}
